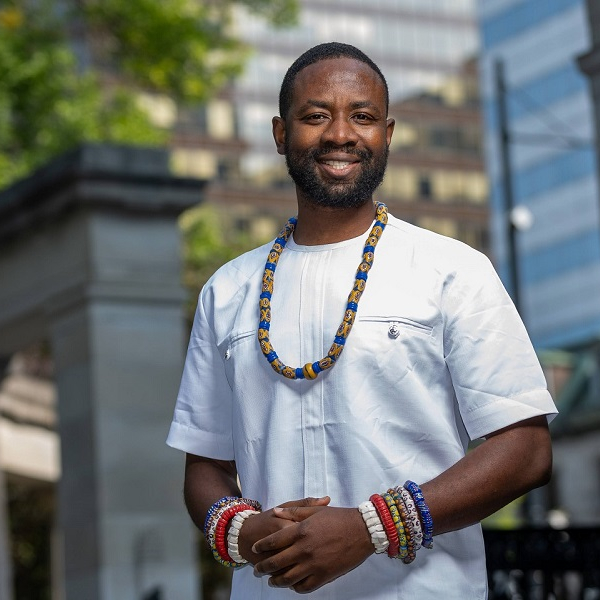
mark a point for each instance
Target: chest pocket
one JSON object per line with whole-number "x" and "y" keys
{"x": 234, "y": 350}
{"x": 392, "y": 345}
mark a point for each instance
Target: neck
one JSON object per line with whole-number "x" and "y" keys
{"x": 319, "y": 225}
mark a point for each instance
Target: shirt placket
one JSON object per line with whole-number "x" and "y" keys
{"x": 312, "y": 306}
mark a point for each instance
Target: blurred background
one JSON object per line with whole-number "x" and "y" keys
{"x": 136, "y": 157}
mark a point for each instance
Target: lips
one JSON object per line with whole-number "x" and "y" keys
{"x": 337, "y": 164}
{"x": 338, "y": 167}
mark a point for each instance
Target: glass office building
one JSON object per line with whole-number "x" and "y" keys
{"x": 551, "y": 155}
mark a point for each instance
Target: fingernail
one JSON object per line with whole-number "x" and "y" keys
{"x": 277, "y": 509}
{"x": 254, "y": 549}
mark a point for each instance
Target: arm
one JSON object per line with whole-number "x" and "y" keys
{"x": 207, "y": 480}
{"x": 335, "y": 540}
{"x": 507, "y": 465}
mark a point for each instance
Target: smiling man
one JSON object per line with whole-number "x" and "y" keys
{"x": 339, "y": 373}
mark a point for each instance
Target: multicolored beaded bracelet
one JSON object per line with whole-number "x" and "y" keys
{"x": 225, "y": 501}
{"x": 426, "y": 520}
{"x": 412, "y": 518}
{"x": 409, "y": 533}
{"x": 312, "y": 370}
{"x": 220, "y": 546}
{"x": 402, "y": 543}
{"x": 218, "y": 517}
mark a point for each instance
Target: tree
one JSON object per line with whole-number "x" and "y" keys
{"x": 52, "y": 99}
{"x": 208, "y": 243}
{"x": 47, "y": 105}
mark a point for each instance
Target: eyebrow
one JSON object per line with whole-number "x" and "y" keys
{"x": 354, "y": 105}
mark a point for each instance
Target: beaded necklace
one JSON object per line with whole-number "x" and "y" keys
{"x": 312, "y": 370}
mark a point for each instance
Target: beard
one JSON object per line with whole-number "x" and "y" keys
{"x": 302, "y": 167}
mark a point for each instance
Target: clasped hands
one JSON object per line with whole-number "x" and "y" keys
{"x": 305, "y": 544}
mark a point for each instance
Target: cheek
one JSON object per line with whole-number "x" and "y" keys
{"x": 304, "y": 141}
{"x": 377, "y": 139}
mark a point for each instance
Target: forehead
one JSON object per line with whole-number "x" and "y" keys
{"x": 335, "y": 77}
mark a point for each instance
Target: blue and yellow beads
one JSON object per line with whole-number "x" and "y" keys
{"x": 312, "y": 370}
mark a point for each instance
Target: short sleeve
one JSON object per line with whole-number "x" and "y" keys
{"x": 495, "y": 371}
{"x": 202, "y": 421}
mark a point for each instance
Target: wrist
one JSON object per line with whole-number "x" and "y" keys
{"x": 220, "y": 525}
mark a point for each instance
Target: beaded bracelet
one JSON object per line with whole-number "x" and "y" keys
{"x": 375, "y": 526}
{"x": 225, "y": 501}
{"x": 218, "y": 545}
{"x": 410, "y": 544}
{"x": 402, "y": 544}
{"x": 222, "y": 504}
{"x": 215, "y": 526}
{"x": 388, "y": 524}
{"x": 234, "y": 533}
{"x": 412, "y": 517}
{"x": 426, "y": 520}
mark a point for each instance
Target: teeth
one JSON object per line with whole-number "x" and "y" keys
{"x": 337, "y": 164}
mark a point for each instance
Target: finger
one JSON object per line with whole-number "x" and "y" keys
{"x": 275, "y": 541}
{"x": 306, "y": 585}
{"x": 276, "y": 565}
{"x": 295, "y": 513}
{"x": 323, "y": 501}
{"x": 288, "y": 579}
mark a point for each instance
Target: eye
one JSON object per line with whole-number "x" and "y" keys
{"x": 315, "y": 118}
{"x": 362, "y": 117}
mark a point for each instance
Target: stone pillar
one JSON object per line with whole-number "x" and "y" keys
{"x": 103, "y": 241}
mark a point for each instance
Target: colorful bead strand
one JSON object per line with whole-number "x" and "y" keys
{"x": 398, "y": 523}
{"x": 312, "y": 370}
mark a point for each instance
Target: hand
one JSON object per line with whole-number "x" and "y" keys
{"x": 324, "y": 543}
{"x": 264, "y": 524}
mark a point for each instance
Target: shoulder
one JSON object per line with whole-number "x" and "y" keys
{"x": 434, "y": 251}
{"x": 234, "y": 276}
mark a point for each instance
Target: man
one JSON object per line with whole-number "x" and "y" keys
{"x": 433, "y": 353}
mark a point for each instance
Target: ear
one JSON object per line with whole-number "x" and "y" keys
{"x": 279, "y": 134}
{"x": 391, "y": 123}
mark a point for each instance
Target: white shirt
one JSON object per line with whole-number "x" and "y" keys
{"x": 391, "y": 409}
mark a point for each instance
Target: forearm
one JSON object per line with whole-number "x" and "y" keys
{"x": 207, "y": 480}
{"x": 504, "y": 467}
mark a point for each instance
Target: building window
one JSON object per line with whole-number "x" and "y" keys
{"x": 425, "y": 189}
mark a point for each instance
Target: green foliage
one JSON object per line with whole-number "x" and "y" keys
{"x": 49, "y": 101}
{"x": 185, "y": 48}
{"x": 181, "y": 47}
{"x": 47, "y": 105}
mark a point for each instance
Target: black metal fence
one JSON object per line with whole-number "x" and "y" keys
{"x": 543, "y": 564}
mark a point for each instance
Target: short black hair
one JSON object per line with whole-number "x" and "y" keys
{"x": 316, "y": 54}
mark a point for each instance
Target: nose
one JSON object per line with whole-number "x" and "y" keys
{"x": 339, "y": 132}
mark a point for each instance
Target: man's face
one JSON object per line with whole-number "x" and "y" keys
{"x": 335, "y": 136}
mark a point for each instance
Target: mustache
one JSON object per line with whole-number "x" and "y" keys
{"x": 362, "y": 154}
